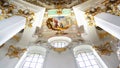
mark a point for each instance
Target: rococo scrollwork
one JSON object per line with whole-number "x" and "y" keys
{"x": 104, "y": 49}
{"x": 15, "y": 52}
{"x": 28, "y": 14}
{"x": 107, "y": 6}
{"x": 9, "y": 10}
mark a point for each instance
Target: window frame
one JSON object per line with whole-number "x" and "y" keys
{"x": 32, "y": 50}
{"x": 77, "y": 49}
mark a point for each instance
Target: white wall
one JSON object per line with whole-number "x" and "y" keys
{"x": 90, "y": 34}
{"x": 28, "y": 33}
{"x": 10, "y": 26}
{"x": 119, "y": 6}
{"x": 60, "y": 60}
{"x": 110, "y": 23}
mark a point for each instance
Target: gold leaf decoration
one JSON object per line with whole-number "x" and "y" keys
{"x": 30, "y": 25}
{"x": 59, "y": 50}
{"x": 17, "y": 38}
{"x": 15, "y": 52}
{"x": 104, "y": 49}
{"x": 107, "y": 6}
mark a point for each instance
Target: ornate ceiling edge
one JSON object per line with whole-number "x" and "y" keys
{"x": 25, "y": 5}
{"x": 92, "y": 8}
{"x": 21, "y": 8}
{"x": 54, "y": 4}
{"x": 88, "y": 4}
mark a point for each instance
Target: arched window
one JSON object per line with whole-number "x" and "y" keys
{"x": 86, "y": 57}
{"x": 59, "y": 41}
{"x": 33, "y": 58}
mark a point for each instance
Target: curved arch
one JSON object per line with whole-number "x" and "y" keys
{"x": 34, "y": 58}
{"x": 86, "y": 56}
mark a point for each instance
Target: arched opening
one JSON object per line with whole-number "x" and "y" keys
{"x": 87, "y": 57}
{"x": 33, "y": 58}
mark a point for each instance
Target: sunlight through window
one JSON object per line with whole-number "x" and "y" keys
{"x": 33, "y": 61}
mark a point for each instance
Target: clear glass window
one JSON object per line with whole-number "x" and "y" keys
{"x": 86, "y": 59}
{"x": 34, "y": 60}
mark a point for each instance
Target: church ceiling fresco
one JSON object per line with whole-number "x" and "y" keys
{"x": 59, "y": 26}
{"x": 59, "y": 23}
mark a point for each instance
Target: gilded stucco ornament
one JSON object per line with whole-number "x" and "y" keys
{"x": 106, "y": 6}
{"x": 29, "y": 15}
{"x": 104, "y": 49}
{"x": 15, "y": 52}
{"x": 9, "y": 10}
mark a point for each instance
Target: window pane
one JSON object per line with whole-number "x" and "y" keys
{"x": 39, "y": 65}
{"x": 79, "y": 59}
{"x": 93, "y": 62}
{"x": 89, "y": 67}
{"x": 27, "y": 64}
{"x": 86, "y": 59}
{"x": 87, "y": 63}
{"x": 40, "y": 60}
{"x": 82, "y": 64}
{"x": 32, "y": 65}
{"x": 95, "y": 66}
{"x": 28, "y": 59}
{"x": 33, "y": 61}
{"x": 25, "y": 67}
{"x": 91, "y": 57}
